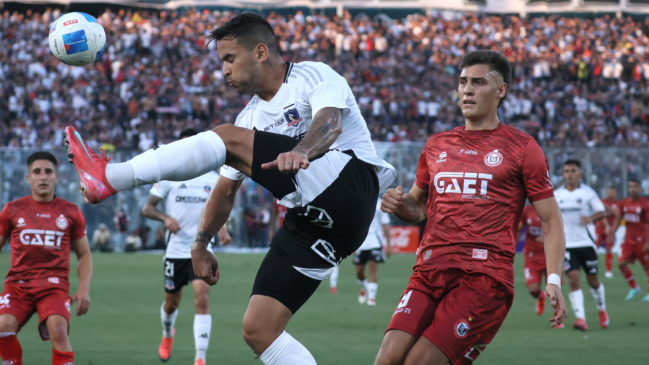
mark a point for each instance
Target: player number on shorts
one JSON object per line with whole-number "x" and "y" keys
{"x": 169, "y": 269}
{"x": 4, "y": 300}
{"x": 405, "y": 299}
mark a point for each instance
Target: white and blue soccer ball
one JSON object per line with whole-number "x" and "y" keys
{"x": 76, "y": 39}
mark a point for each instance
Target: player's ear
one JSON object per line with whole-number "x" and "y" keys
{"x": 262, "y": 53}
{"x": 502, "y": 91}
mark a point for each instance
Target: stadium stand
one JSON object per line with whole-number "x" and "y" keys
{"x": 578, "y": 81}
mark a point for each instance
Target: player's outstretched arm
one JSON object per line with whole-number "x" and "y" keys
{"x": 215, "y": 213}
{"x": 322, "y": 133}
{"x": 150, "y": 210}
{"x": 410, "y": 208}
{"x": 84, "y": 271}
{"x": 555, "y": 251}
{"x": 3, "y": 240}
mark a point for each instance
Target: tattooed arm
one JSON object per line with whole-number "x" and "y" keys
{"x": 410, "y": 207}
{"x": 326, "y": 127}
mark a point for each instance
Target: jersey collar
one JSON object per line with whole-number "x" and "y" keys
{"x": 289, "y": 67}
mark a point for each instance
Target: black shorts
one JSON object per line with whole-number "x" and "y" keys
{"x": 331, "y": 204}
{"x": 178, "y": 273}
{"x": 585, "y": 257}
{"x": 278, "y": 279}
{"x": 362, "y": 257}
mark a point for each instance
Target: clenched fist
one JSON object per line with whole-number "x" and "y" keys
{"x": 392, "y": 199}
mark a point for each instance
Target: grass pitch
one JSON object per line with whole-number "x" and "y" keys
{"x": 123, "y": 324}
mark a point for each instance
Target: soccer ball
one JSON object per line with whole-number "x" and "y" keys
{"x": 77, "y": 39}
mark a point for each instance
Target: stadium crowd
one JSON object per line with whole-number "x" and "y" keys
{"x": 576, "y": 81}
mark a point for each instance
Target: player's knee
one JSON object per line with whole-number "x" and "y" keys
{"x": 58, "y": 332}
{"x": 257, "y": 336}
{"x": 202, "y": 305}
{"x": 230, "y": 134}
{"x": 8, "y": 323}
{"x": 622, "y": 265}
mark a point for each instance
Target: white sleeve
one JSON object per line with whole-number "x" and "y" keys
{"x": 243, "y": 121}
{"x": 231, "y": 173}
{"x": 330, "y": 91}
{"x": 595, "y": 204}
{"x": 384, "y": 217}
{"x": 160, "y": 189}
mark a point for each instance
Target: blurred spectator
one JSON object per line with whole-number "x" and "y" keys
{"x": 133, "y": 242}
{"x": 102, "y": 239}
{"x": 121, "y": 220}
{"x": 577, "y": 81}
{"x": 262, "y": 221}
{"x": 160, "y": 239}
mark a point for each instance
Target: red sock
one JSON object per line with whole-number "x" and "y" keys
{"x": 10, "y": 350}
{"x": 536, "y": 293}
{"x": 62, "y": 358}
{"x": 628, "y": 275}
{"x": 609, "y": 261}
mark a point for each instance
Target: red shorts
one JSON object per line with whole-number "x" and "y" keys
{"x": 22, "y": 302}
{"x": 535, "y": 269}
{"x": 459, "y": 312}
{"x": 631, "y": 251}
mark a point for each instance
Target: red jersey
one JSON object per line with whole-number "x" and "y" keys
{"x": 534, "y": 230}
{"x": 280, "y": 212}
{"x": 636, "y": 215}
{"x": 477, "y": 183}
{"x": 40, "y": 235}
{"x": 599, "y": 225}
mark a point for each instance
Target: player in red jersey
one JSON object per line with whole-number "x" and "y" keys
{"x": 635, "y": 211}
{"x": 42, "y": 229}
{"x": 472, "y": 183}
{"x": 603, "y": 228}
{"x": 534, "y": 256}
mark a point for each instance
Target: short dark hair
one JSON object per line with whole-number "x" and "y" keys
{"x": 572, "y": 161}
{"x": 187, "y": 133}
{"x": 634, "y": 180}
{"x": 496, "y": 62}
{"x": 42, "y": 155}
{"x": 249, "y": 29}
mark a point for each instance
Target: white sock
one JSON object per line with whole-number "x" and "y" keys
{"x": 362, "y": 283}
{"x": 202, "y": 330}
{"x": 577, "y": 301}
{"x": 333, "y": 279}
{"x": 286, "y": 350}
{"x": 598, "y": 294}
{"x": 168, "y": 321}
{"x": 178, "y": 161}
{"x": 372, "y": 288}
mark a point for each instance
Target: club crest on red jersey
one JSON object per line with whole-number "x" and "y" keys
{"x": 21, "y": 222}
{"x": 461, "y": 328}
{"x": 62, "y": 222}
{"x": 493, "y": 159}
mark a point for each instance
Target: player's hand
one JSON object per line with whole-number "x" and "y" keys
{"x": 288, "y": 162}
{"x": 558, "y": 303}
{"x": 83, "y": 298}
{"x": 172, "y": 225}
{"x": 584, "y": 220}
{"x": 388, "y": 251}
{"x": 205, "y": 265}
{"x": 646, "y": 248}
{"x": 224, "y": 237}
{"x": 391, "y": 199}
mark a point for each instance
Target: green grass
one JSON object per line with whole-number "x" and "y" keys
{"x": 123, "y": 325}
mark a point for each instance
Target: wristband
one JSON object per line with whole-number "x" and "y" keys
{"x": 554, "y": 279}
